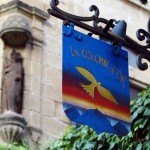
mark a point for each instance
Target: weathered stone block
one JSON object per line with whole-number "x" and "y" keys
{"x": 35, "y": 119}
{"x": 35, "y": 102}
{"x": 60, "y": 114}
{"x": 53, "y": 125}
{"x": 51, "y": 92}
{"x": 36, "y": 84}
{"x": 53, "y": 77}
{"x": 48, "y": 107}
{"x": 35, "y": 68}
{"x": 36, "y": 54}
{"x": 26, "y": 114}
{"x": 27, "y": 100}
{"x": 27, "y": 82}
{"x": 27, "y": 66}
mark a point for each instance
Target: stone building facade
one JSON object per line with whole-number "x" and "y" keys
{"x": 42, "y": 54}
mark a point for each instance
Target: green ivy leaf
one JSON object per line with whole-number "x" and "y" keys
{"x": 147, "y": 102}
{"x": 136, "y": 113}
{"x": 84, "y": 138}
{"x": 139, "y": 147}
{"x": 147, "y": 112}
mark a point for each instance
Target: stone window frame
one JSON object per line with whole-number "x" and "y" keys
{"x": 138, "y": 4}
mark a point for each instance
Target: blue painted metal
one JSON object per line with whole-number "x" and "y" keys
{"x": 120, "y": 29}
{"x": 95, "y": 83}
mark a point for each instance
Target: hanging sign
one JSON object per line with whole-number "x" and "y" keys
{"x": 95, "y": 83}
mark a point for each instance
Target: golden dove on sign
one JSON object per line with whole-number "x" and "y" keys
{"x": 94, "y": 84}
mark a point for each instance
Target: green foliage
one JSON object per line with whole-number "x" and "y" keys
{"x": 84, "y": 138}
{"x": 23, "y": 145}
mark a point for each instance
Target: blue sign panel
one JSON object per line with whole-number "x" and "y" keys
{"x": 95, "y": 83}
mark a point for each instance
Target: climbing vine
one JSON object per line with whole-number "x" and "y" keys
{"x": 84, "y": 138}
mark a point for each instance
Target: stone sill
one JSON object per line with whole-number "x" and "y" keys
{"x": 138, "y": 78}
{"x": 138, "y": 4}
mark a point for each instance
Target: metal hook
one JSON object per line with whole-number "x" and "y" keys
{"x": 71, "y": 32}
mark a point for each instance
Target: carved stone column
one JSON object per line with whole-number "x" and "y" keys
{"x": 12, "y": 127}
{"x": 22, "y": 29}
{"x": 12, "y": 88}
{"x": 15, "y": 32}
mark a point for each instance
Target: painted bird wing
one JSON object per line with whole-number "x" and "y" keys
{"x": 106, "y": 94}
{"x": 87, "y": 75}
{"x": 89, "y": 89}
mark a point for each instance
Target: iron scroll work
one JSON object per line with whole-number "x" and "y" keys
{"x": 106, "y": 32}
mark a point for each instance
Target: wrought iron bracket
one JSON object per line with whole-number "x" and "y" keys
{"x": 106, "y": 31}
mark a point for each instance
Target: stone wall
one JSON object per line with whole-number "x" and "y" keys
{"x": 42, "y": 57}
